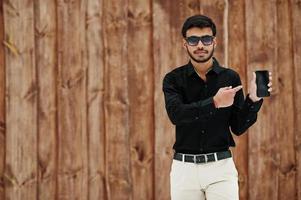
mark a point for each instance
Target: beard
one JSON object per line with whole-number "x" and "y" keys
{"x": 201, "y": 59}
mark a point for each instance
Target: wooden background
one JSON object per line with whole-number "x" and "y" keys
{"x": 81, "y": 104}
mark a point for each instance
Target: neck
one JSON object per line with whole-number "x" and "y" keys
{"x": 202, "y": 68}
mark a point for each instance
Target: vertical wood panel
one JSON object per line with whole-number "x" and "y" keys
{"x": 262, "y": 54}
{"x": 285, "y": 102}
{"x": 140, "y": 88}
{"x": 95, "y": 98}
{"x": 164, "y": 131}
{"x": 21, "y": 101}
{"x": 45, "y": 41}
{"x": 215, "y": 9}
{"x": 2, "y": 104}
{"x": 72, "y": 134}
{"x": 295, "y": 10}
{"x": 168, "y": 17}
{"x": 118, "y": 172}
{"x": 237, "y": 61}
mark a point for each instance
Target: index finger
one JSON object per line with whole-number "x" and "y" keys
{"x": 237, "y": 88}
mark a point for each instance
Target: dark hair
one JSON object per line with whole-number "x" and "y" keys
{"x": 200, "y": 21}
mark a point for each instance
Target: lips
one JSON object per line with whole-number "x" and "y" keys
{"x": 200, "y": 52}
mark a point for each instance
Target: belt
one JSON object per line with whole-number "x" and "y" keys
{"x": 202, "y": 158}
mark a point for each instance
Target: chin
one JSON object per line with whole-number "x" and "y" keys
{"x": 203, "y": 59}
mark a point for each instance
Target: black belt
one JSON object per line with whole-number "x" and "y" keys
{"x": 202, "y": 158}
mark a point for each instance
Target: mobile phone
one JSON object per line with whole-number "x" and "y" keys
{"x": 262, "y": 81}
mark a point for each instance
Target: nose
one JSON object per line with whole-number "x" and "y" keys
{"x": 200, "y": 44}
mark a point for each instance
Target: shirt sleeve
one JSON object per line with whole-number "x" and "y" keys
{"x": 179, "y": 112}
{"x": 244, "y": 111}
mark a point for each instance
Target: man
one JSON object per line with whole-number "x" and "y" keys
{"x": 205, "y": 101}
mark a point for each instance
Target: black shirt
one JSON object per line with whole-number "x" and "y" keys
{"x": 200, "y": 127}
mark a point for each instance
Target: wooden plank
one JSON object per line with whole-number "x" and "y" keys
{"x": 141, "y": 101}
{"x": 2, "y": 104}
{"x": 285, "y": 125}
{"x": 45, "y": 36}
{"x": 264, "y": 135}
{"x": 237, "y": 61}
{"x": 116, "y": 101}
{"x": 295, "y": 11}
{"x": 72, "y": 111}
{"x": 218, "y": 11}
{"x": 21, "y": 101}
{"x": 164, "y": 131}
{"x": 168, "y": 53}
{"x": 95, "y": 96}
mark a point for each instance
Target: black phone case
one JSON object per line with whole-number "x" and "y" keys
{"x": 262, "y": 81}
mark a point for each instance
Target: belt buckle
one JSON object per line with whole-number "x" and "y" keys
{"x": 194, "y": 159}
{"x": 214, "y": 154}
{"x": 206, "y": 158}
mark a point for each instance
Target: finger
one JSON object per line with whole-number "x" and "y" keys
{"x": 237, "y": 88}
{"x": 226, "y": 88}
{"x": 270, "y": 73}
{"x": 270, "y": 84}
{"x": 270, "y": 89}
{"x": 254, "y": 77}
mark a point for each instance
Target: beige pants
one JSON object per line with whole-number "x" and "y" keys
{"x": 211, "y": 181}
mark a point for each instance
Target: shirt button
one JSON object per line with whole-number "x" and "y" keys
{"x": 211, "y": 112}
{"x": 203, "y": 131}
{"x": 248, "y": 120}
{"x": 252, "y": 107}
{"x": 196, "y": 117}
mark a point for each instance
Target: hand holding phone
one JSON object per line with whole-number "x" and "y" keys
{"x": 262, "y": 81}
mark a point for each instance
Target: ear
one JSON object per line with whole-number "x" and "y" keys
{"x": 184, "y": 43}
{"x": 214, "y": 42}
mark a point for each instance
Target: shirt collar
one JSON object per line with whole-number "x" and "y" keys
{"x": 215, "y": 68}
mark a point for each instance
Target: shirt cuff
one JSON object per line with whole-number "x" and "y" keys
{"x": 253, "y": 106}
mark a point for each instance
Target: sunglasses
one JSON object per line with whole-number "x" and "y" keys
{"x": 194, "y": 40}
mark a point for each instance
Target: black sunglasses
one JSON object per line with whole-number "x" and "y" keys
{"x": 194, "y": 40}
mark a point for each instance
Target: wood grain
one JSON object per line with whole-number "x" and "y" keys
{"x": 116, "y": 101}
{"x": 164, "y": 61}
{"x": 72, "y": 111}
{"x": 95, "y": 100}
{"x": 262, "y": 54}
{"x": 237, "y": 61}
{"x": 2, "y": 105}
{"x": 21, "y": 91}
{"x": 140, "y": 93}
{"x": 45, "y": 43}
{"x": 285, "y": 102}
{"x": 295, "y": 15}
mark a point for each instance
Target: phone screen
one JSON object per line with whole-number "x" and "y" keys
{"x": 262, "y": 81}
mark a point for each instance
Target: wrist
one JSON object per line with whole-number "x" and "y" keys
{"x": 254, "y": 98}
{"x": 215, "y": 102}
